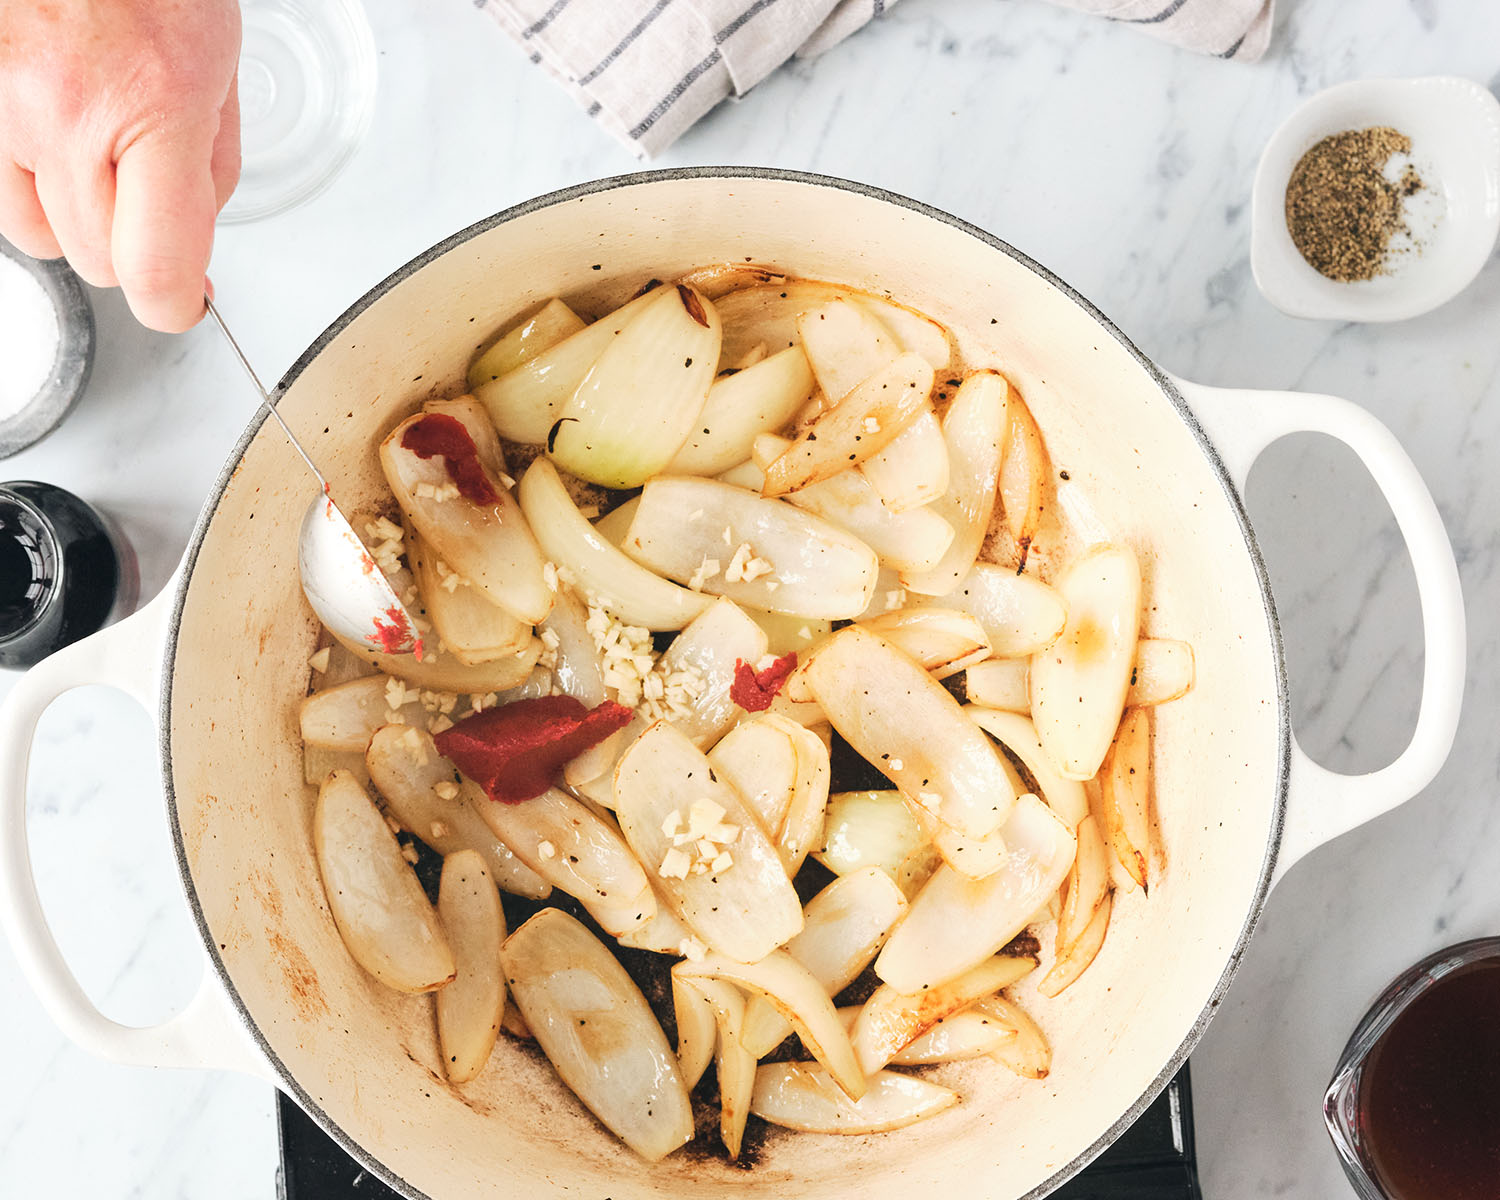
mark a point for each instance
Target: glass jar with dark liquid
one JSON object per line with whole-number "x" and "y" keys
{"x": 63, "y": 572}
{"x": 1414, "y": 1108}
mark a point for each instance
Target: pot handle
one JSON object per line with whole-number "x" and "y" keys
{"x": 207, "y": 1033}
{"x": 1321, "y": 804}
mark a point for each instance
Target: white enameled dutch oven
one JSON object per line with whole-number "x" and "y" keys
{"x": 221, "y": 657}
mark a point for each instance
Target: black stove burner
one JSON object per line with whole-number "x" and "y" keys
{"x": 1153, "y": 1160}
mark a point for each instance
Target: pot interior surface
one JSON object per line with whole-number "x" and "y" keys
{"x": 365, "y": 1059}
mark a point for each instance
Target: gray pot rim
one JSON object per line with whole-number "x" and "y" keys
{"x": 365, "y": 1157}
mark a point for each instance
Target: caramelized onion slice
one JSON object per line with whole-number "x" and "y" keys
{"x": 1081, "y": 954}
{"x": 471, "y": 626}
{"x": 1024, "y": 473}
{"x": 744, "y": 910}
{"x": 956, "y": 923}
{"x": 1078, "y": 684}
{"x": 599, "y": 1033}
{"x": 1125, "y": 794}
{"x": 469, "y": 1009}
{"x": 892, "y": 1020}
{"x": 1000, "y": 683}
{"x": 908, "y": 725}
{"x": 1017, "y": 734}
{"x": 913, "y": 470}
{"x": 525, "y": 402}
{"x": 635, "y": 408}
{"x": 877, "y": 829}
{"x": 344, "y": 716}
{"x": 1020, "y": 613}
{"x": 759, "y": 760}
{"x": 804, "y": 1097}
{"x": 444, "y": 673}
{"x": 845, "y": 344}
{"x": 488, "y": 544}
{"x": 1163, "y": 672}
{"x": 968, "y": 1033}
{"x": 379, "y": 907}
{"x": 843, "y": 928}
{"x": 406, "y": 767}
{"x": 974, "y": 431}
{"x": 697, "y": 1029}
{"x": 792, "y": 561}
{"x": 734, "y": 1064}
{"x": 539, "y": 332}
{"x": 860, "y": 425}
{"x": 793, "y": 991}
{"x": 1028, "y": 1053}
{"x": 616, "y": 582}
{"x": 1086, "y": 888}
{"x": 943, "y": 640}
{"x": 756, "y": 400}
{"x": 904, "y": 540}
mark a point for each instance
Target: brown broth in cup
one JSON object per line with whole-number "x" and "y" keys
{"x": 1429, "y": 1096}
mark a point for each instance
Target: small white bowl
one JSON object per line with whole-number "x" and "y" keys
{"x": 1454, "y": 126}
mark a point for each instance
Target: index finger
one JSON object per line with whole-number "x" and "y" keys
{"x": 163, "y": 233}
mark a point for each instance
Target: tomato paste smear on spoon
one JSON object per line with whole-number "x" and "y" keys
{"x": 515, "y": 752}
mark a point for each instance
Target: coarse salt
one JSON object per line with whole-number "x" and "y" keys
{"x": 29, "y": 337}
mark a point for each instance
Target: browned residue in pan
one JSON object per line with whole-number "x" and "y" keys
{"x": 297, "y": 971}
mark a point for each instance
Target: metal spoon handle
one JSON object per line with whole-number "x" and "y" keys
{"x": 265, "y": 399}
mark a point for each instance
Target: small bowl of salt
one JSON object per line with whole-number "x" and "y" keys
{"x": 46, "y": 346}
{"x": 1378, "y": 200}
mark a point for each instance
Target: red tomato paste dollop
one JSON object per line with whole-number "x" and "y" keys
{"x": 515, "y": 752}
{"x": 439, "y": 434}
{"x": 754, "y": 690}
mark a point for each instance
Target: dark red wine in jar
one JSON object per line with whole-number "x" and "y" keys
{"x": 1429, "y": 1092}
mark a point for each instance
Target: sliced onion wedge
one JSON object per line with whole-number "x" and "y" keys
{"x": 1125, "y": 794}
{"x": 1028, "y": 1053}
{"x": 891, "y": 1020}
{"x": 573, "y": 848}
{"x": 913, "y": 470}
{"x": 756, "y": 400}
{"x": 344, "y": 717}
{"x": 599, "y": 1033}
{"x": 768, "y": 315}
{"x": 469, "y": 1009}
{"x": 472, "y": 626}
{"x": 956, "y": 923}
{"x": 1086, "y": 887}
{"x": 845, "y": 344}
{"x": 525, "y": 402}
{"x": 697, "y": 1030}
{"x": 1081, "y": 954}
{"x": 804, "y": 1097}
{"x": 719, "y": 279}
{"x": 801, "y": 830}
{"x": 974, "y": 432}
{"x": 407, "y": 769}
{"x": 318, "y": 762}
{"x": 908, "y": 725}
{"x": 909, "y": 540}
{"x": 549, "y": 325}
{"x": 640, "y": 400}
{"x": 1020, "y": 613}
{"x": 685, "y": 526}
{"x": 844, "y": 927}
{"x": 1023, "y": 475}
{"x": 860, "y": 425}
{"x": 1016, "y": 733}
{"x": 619, "y": 584}
{"x": 797, "y": 995}
{"x": 664, "y": 933}
{"x": 787, "y": 634}
{"x": 969, "y": 1033}
{"x": 1000, "y": 683}
{"x": 973, "y": 858}
{"x": 719, "y": 637}
{"x": 943, "y": 640}
{"x": 1163, "y": 672}
{"x": 877, "y": 829}
{"x": 613, "y": 524}
{"x": 759, "y": 760}
{"x": 488, "y": 544}
{"x": 1078, "y": 684}
{"x": 444, "y": 673}
{"x": 735, "y": 1065}
{"x": 745, "y": 910}
{"x": 381, "y": 912}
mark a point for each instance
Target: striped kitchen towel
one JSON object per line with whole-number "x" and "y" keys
{"x": 647, "y": 69}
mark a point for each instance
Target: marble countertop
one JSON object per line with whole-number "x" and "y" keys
{"x": 1123, "y": 165}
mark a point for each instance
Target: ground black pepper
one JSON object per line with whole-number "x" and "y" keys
{"x": 1341, "y": 210}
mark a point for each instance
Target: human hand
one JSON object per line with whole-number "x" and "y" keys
{"x": 119, "y": 141}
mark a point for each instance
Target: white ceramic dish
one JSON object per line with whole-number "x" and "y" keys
{"x": 221, "y": 657}
{"x": 1454, "y": 126}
